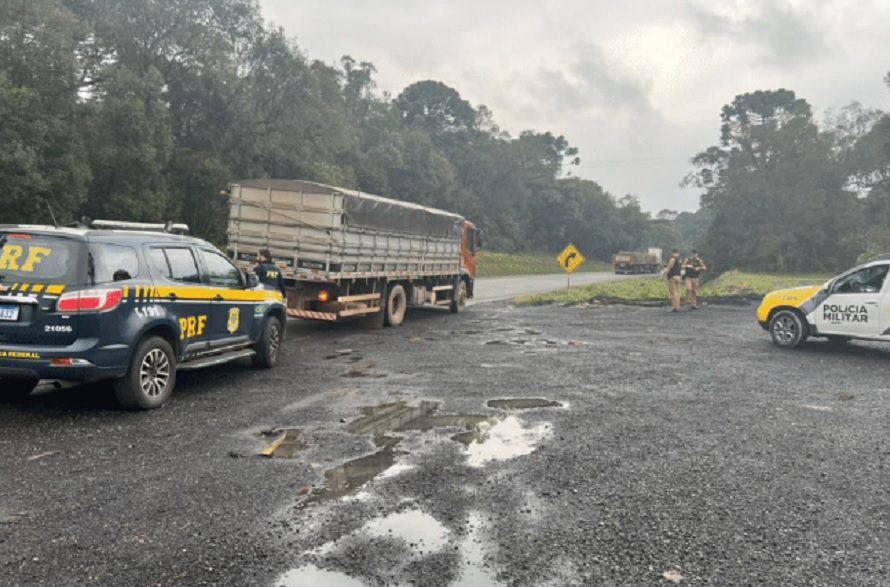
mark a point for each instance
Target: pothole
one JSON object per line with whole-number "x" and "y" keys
{"x": 285, "y": 444}
{"x": 312, "y": 575}
{"x": 486, "y": 438}
{"x": 351, "y": 476}
{"x": 504, "y": 440}
{"x": 522, "y": 403}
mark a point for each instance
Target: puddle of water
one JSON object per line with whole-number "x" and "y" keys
{"x": 390, "y": 417}
{"x": 522, "y": 403}
{"x": 425, "y": 423}
{"x": 309, "y": 575}
{"x": 473, "y": 572}
{"x": 421, "y": 531}
{"x": 350, "y": 477}
{"x": 286, "y": 445}
{"x": 504, "y": 440}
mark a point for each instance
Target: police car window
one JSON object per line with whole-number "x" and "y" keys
{"x": 158, "y": 261}
{"x": 113, "y": 263}
{"x": 868, "y": 280}
{"x": 182, "y": 265}
{"x": 220, "y": 270}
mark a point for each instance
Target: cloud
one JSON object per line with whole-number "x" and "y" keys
{"x": 777, "y": 35}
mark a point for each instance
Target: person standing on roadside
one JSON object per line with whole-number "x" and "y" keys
{"x": 672, "y": 272}
{"x": 693, "y": 267}
{"x": 269, "y": 273}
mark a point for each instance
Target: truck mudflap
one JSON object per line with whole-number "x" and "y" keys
{"x": 294, "y": 313}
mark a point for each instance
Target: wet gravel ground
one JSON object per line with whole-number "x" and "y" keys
{"x": 686, "y": 449}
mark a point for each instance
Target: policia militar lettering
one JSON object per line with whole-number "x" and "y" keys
{"x": 129, "y": 302}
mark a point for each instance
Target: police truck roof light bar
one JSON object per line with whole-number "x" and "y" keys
{"x": 141, "y": 226}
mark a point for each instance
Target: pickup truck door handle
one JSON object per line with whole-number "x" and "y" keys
{"x": 217, "y": 298}
{"x": 171, "y": 296}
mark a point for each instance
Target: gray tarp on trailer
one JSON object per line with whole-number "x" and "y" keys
{"x": 316, "y": 231}
{"x": 374, "y": 212}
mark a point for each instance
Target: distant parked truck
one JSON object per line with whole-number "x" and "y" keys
{"x": 637, "y": 262}
{"x": 347, "y": 254}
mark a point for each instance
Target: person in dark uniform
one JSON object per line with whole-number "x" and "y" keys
{"x": 672, "y": 272}
{"x": 693, "y": 267}
{"x": 268, "y": 272}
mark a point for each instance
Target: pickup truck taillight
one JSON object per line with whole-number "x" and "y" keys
{"x": 89, "y": 300}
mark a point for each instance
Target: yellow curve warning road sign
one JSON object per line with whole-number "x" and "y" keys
{"x": 570, "y": 259}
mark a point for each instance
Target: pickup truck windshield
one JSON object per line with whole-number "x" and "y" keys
{"x": 27, "y": 258}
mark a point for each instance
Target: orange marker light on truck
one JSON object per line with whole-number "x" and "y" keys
{"x": 323, "y": 295}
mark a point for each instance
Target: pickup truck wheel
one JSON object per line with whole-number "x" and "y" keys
{"x": 14, "y": 390}
{"x": 269, "y": 344}
{"x": 460, "y": 303}
{"x": 788, "y": 329}
{"x": 151, "y": 378}
{"x": 396, "y": 303}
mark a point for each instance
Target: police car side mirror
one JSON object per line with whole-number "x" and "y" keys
{"x": 252, "y": 280}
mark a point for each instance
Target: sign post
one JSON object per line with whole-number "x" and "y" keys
{"x": 570, "y": 259}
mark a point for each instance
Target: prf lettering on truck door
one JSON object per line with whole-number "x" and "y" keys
{"x": 191, "y": 326}
{"x": 15, "y": 257}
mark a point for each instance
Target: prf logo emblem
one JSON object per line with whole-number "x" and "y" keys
{"x": 234, "y": 320}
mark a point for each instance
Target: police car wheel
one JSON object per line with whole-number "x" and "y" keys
{"x": 152, "y": 375}
{"x": 16, "y": 389}
{"x": 396, "y": 304}
{"x": 269, "y": 345}
{"x": 788, "y": 329}
{"x": 460, "y": 303}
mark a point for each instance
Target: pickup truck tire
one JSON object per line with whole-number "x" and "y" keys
{"x": 459, "y": 303}
{"x": 14, "y": 390}
{"x": 788, "y": 329}
{"x": 396, "y": 303}
{"x": 269, "y": 344}
{"x": 151, "y": 377}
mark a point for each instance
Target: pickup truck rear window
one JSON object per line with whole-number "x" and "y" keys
{"x": 39, "y": 259}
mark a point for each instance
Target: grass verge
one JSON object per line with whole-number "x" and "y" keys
{"x": 730, "y": 286}
{"x": 491, "y": 264}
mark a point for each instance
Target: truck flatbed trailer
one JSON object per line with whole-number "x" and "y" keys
{"x": 347, "y": 254}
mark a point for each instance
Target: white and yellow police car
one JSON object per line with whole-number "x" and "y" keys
{"x": 855, "y": 304}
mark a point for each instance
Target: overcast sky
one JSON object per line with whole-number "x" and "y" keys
{"x": 637, "y": 86}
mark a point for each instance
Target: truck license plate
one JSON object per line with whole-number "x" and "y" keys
{"x": 9, "y": 313}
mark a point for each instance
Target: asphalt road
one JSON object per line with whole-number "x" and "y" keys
{"x": 686, "y": 449}
{"x": 495, "y": 289}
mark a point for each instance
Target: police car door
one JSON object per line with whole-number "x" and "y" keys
{"x": 853, "y": 306}
{"x": 232, "y": 315}
{"x": 182, "y": 295}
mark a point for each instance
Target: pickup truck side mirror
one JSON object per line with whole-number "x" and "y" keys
{"x": 252, "y": 280}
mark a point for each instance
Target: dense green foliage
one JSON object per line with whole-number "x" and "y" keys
{"x": 729, "y": 285}
{"x": 787, "y": 195}
{"x": 145, "y": 111}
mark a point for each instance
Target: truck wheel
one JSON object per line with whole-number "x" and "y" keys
{"x": 396, "y": 303}
{"x": 16, "y": 390}
{"x": 269, "y": 344}
{"x": 459, "y": 304}
{"x": 788, "y": 329}
{"x": 151, "y": 378}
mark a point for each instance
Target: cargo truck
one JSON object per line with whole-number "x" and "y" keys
{"x": 345, "y": 254}
{"x": 637, "y": 261}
